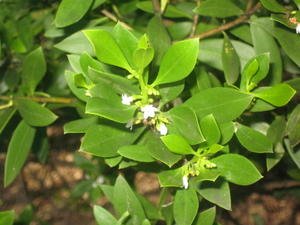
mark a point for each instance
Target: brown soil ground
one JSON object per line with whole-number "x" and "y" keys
{"x": 47, "y": 187}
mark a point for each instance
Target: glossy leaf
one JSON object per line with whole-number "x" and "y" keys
{"x": 34, "y": 114}
{"x": 177, "y": 144}
{"x": 237, "y": 169}
{"x": 217, "y": 192}
{"x": 18, "y": 150}
{"x": 210, "y": 129}
{"x": 207, "y": 217}
{"x": 71, "y": 11}
{"x": 106, "y": 48}
{"x": 138, "y": 153}
{"x": 230, "y": 61}
{"x": 218, "y": 8}
{"x": 186, "y": 122}
{"x": 178, "y": 62}
{"x": 114, "y": 111}
{"x": 185, "y": 207}
{"x": 278, "y": 95}
{"x": 253, "y": 140}
{"x": 224, "y": 103}
{"x": 103, "y": 217}
{"x": 126, "y": 200}
{"x": 34, "y": 69}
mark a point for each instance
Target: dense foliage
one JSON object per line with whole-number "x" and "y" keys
{"x": 202, "y": 93}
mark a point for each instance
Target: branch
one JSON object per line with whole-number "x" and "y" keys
{"x": 39, "y": 99}
{"x": 115, "y": 19}
{"x": 195, "y": 20}
{"x": 229, "y": 25}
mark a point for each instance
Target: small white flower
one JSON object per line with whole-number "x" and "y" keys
{"x": 129, "y": 124}
{"x": 298, "y": 28}
{"x": 126, "y": 100}
{"x": 149, "y": 111}
{"x": 185, "y": 182}
{"x": 163, "y": 130}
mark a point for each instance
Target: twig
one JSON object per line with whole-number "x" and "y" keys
{"x": 195, "y": 20}
{"x": 115, "y": 19}
{"x": 39, "y": 99}
{"x": 229, "y": 25}
{"x": 156, "y": 7}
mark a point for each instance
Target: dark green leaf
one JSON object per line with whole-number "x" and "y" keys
{"x": 273, "y": 6}
{"x": 171, "y": 178}
{"x": 5, "y": 116}
{"x": 227, "y": 131}
{"x": 210, "y": 129}
{"x": 293, "y": 126}
{"x": 71, "y": 11}
{"x": 80, "y": 125}
{"x": 18, "y": 150}
{"x": 169, "y": 92}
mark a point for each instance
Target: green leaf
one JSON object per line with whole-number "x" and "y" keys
{"x": 248, "y": 72}
{"x": 273, "y": 159}
{"x": 186, "y": 122}
{"x": 126, "y": 41}
{"x": 216, "y": 192}
{"x": 142, "y": 57}
{"x": 253, "y": 141}
{"x": 115, "y": 111}
{"x": 230, "y": 61}
{"x": 78, "y": 92}
{"x": 207, "y": 174}
{"x": 225, "y": 104}
{"x": 171, "y": 178}
{"x": 81, "y": 188}
{"x": 177, "y": 144}
{"x": 210, "y": 129}
{"x": 76, "y": 43}
{"x": 5, "y": 116}
{"x": 207, "y": 217}
{"x": 210, "y": 52}
{"x": 237, "y": 169}
{"x": 278, "y": 95}
{"x": 151, "y": 211}
{"x": 103, "y": 217}
{"x": 227, "y": 131}
{"x": 105, "y": 140}
{"x": 126, "y": 200}
{"x": 138, "y": 153}
{"x": 273, "y": 6}
{"x": 178, "y": 62}
{"x": 7, "y": 217}
{"x": 17, "y": 152}
{"x": 293, "y": 126}
{"x": 295, "y": 155}
{"x": 71, "y": 11}
{"x": 34, "y": 69}
{"x": 169, "y": 92}
{"x": 80, "y": 125}
{"x": 264, "y": 42}
{"x": 218, "y": 8}
{"x": 158, "y": 150}
{"x": 185, "y": 207}
{"x": 34, "y": 114}
{"x": 106, "y": 48}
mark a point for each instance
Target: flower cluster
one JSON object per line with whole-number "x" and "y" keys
{"x": 293, "y": 20}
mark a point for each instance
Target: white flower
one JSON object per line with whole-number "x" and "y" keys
{"x": 298, "y": 28}
{"x": 149, "y": 111}
{"x": 126, "y": 100}
{"x": 185, "y": 182}
{"x": 162, "y": 128}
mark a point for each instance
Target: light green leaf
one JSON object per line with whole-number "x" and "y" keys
{"x": 186, "y": 122}
{"x": 177, "y": 144}
{"x": 107, "y": 49}
{"x": 114, "y": 111}
{"x": 237, "y": 169}
{"x": 273, "y": 6}
{"x": 217, "y": 192}
{"x": 18, "y": 150}
{"x": 210, "y": 129}
{"x": 218, "y": 8}
{"x": 34, "y": 69}
{"x": 253, "y": 140}
{"x": 138, "y": 153}
{"x": 178, "y": 62}
{"x": 185, "y": 207}
{"x": 278, "y": 95}
{"x": 71, "y": 11}
{"x": 207, "y": 217}
{"x": 142, "y": 57}
{"x": 225, "y": 104}
{"x": 7, "y": 217}
{"x": 34, "y": 114}
{"x": 230, "y": 61}
{"x": 103, "y": 217}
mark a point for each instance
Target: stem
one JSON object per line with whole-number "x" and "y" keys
{"x": 144, "y": 89}
{"x": 195, "y": 20}
{"x": 39, "y": 99}
{"x": 115, "y": 19}
{"x": 229, "y": 25}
